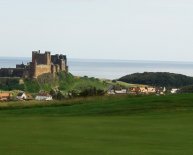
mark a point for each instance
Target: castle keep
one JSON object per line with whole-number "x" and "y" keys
{"x": 41, "y": 63}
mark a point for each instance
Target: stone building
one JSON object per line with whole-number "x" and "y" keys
{"x": 47, "y": 63}
{"x": 41, "y": 63}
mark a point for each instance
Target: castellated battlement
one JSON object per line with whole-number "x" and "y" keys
{"x": 41, "y": 58}
{"x": 41, "y": 63}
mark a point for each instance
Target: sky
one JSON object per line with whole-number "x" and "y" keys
{"x": 98, "y": 29}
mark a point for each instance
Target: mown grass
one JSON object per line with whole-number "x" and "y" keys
{"x": 145, "y": 125}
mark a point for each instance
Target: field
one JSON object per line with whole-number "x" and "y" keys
{"x": 125, "y": 125}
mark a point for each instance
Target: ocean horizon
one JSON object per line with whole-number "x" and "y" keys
{"x": 111, "y": 69}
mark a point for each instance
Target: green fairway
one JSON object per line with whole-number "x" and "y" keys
{"x": 125, "y": 125}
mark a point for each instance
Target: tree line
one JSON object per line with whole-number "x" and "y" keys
{"x": 159, "y": 79}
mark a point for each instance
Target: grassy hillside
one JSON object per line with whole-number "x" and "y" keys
{"x": 67, "y": 82}
{"x": 79, "y": 83}
{"x": 62, "y": 81}
{"x": 125, "y": 125}
{"x": 162, "y": 79}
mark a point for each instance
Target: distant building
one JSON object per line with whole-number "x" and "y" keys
{"x": 4, "y": 96}
{"x": 114, "y": 90}
{"x": 44, "y": 97}
{"x": 142, "y": 90}
{"x": 174, "y": 91}
{"x": 151, "y": 90}
{"x": 134, "y": 90}
{"x": 41, "y": 63}
{"x": 122, "y": 91}
{"x": 21, "y": 96}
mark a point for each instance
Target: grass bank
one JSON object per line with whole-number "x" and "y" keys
{"x": 96, "y": 106}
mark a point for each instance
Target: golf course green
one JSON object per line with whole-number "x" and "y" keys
{"x": 122, "y": 125}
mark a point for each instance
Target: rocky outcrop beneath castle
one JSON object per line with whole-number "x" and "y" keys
{"x": 41, "y": 63}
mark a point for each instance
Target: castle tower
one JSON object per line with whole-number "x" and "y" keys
{"x": 34, "y": 55}
{"x": 47, "y": 58}
{"x": 62, "y": 62}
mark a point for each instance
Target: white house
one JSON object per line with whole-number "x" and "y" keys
{"x": 44, "y": 97}
{"x": 122, "y": 91}
{"x": 174, "y": 90}
{"x": 21, "y": 96}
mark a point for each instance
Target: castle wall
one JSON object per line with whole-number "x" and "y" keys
{"x": 42, "y": 69}
{"x": 12, "y": 72}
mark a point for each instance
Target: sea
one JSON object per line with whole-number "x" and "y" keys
{"x": 111, "y": 69}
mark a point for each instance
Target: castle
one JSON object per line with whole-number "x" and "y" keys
{"x": 41, "y": 63}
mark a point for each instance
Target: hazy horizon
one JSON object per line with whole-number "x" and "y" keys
{"x": 98, "y": 59}
{"x": 155, "y": 30}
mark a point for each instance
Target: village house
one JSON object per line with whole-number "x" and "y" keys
{"x": 113, "y": 90}
{"x": 142, "y": 90}
{"x": 21, "y": 96}
{"x": 44, "y": 97}
{"x": 174, "y": 90}
{"x": 151, "y": 90}
{"x": 122, "y": 91}
{"x": 134, "y": 90}
{"x": 137, "y": 90}
{"x": 4, "y": 96}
